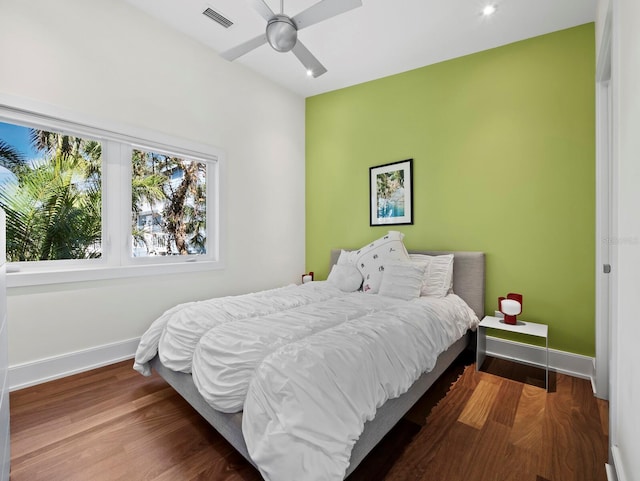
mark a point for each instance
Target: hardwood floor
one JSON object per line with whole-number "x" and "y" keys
{"x": 113, "y": 424}
{"x": 492, "y": 428}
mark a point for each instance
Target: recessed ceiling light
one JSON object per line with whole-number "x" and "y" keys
{"x": 309, "y": 72}
{"x": 489, "y": 10}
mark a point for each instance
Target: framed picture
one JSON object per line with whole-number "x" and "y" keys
{"x": 391, "y": 193}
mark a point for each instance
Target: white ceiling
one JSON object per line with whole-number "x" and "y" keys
{"x": 380, "y": 38}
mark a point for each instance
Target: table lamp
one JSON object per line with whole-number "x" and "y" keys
{"x": 510, "y": 306}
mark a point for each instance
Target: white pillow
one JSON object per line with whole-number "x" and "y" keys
{"x": 346, "y": 258}
{"x": 345, "y": 277}
{"x": 438, "y": 274}
{"x": 402, "y": 280}
{"x": 371, "y": 259}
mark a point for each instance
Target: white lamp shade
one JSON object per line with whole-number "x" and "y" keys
{"x": 510, "y": 307}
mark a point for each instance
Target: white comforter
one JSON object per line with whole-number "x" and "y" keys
{"x": 175, "y": 334}
{"x": 308, "y": 371}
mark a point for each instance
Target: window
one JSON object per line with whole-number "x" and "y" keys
{"x": 169, "y": 202}
{"x": 86, "y": 203}
{"x": 51, "y": 191}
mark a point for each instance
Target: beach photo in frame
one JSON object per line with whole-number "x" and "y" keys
{"x": 391, "y": 193}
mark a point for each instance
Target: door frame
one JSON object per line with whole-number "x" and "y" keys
{"x": 604, "y": 212}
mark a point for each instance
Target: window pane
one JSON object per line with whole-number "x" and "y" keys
{"x": 168, "y": 205}
{"x": 51, "y": 190}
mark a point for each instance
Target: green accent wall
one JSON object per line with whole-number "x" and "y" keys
{"x": 503, "y": 149}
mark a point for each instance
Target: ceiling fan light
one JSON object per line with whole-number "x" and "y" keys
{"x": 281, "y": 33}
{"x": 489, "y": 10}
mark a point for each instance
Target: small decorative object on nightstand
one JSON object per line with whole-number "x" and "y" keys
{"x": 307, "y": 277}
{"x": 510, "y": 306}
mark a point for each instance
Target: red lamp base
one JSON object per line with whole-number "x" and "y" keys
{"x": 513, "y": 320}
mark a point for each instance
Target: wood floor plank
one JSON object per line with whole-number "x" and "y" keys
{"x": 93, "y": 396}
{"x": 491, "y": 454}
{"x": 109, "y": 439}
{"x": 388, "y": 452}
{"x": 518, "y": 464}
{"x": 482, "y": 400}
{"x": 112, "y": 424}
{"x": 504, "y": 411}
{"x": 527, "y": 424}
{"x": 418, "y": 457}
{"x": 573, "y": 447}
{"x": 458, "y": 435}
{"x": 443, "y": 415}
{"x": 43, "y": 434}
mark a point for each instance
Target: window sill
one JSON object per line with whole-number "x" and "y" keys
{"x": 17, "y": 278}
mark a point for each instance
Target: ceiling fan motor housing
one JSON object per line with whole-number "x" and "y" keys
{"x": 282, "y": 33}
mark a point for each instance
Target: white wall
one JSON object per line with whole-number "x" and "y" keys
{"x": 109, "y": 61}
{"x": 625, "y": 398}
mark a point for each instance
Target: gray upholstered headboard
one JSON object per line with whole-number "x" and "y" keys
{"x": 468, "y": 275}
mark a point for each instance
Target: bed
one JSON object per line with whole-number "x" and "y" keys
{"x": 468, "y": 284}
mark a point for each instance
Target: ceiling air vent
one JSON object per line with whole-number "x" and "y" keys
{"x": 217, "y": 17}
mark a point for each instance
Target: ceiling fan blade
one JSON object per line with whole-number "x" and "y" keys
{"x": 323, "y": 10}
{"x": 263, "y": 9}
{"x": 243, "y": 48}
{"x": 313, "y": 66}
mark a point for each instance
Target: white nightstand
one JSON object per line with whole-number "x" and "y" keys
{"x": 522, "y": 327}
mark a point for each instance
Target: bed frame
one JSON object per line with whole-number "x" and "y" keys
{"x": 468, "y": 283}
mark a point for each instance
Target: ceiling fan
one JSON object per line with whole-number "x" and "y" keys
{"x": 282, "y": 31}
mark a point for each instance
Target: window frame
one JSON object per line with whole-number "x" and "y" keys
{"x": 211, "y": 203}
{"x": 117, "y": 141}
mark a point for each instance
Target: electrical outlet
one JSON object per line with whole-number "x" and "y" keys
{"x": 499, "y": 314}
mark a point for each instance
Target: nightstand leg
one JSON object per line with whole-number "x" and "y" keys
{"x": 481, "y": 347}
{"x": 546, "y": 380}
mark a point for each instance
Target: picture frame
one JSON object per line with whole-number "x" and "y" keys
{"x": 391, "y": 193}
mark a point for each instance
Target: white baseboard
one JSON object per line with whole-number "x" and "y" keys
{"x": 611, "y": 472}
{"x": 43, "y": 370}
{"x": 560, "y": 361}
{"x": 617, "y": 468}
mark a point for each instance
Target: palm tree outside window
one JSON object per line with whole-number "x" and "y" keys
{"x": 51, "y": 189}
